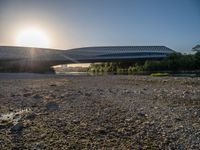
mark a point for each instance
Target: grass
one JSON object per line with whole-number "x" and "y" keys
{"x": 159, "y": 74}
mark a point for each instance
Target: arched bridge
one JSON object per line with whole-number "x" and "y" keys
{"x": 27, "y": 57}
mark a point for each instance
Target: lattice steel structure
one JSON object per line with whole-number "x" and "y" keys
{"x": 85, "y": 54}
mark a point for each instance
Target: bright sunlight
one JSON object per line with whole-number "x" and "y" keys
{"x": 32, "y": 37}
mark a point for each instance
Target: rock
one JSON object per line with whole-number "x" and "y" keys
{"x": 101, "y": 130}
{"x": 43, "y": 136}
{"x": 197, "y": 113}
{"x": 152, "y": 123}
{"x": 87, "y": 94}
{"x": 164, "y": 81}
{"x": 76, "y": 121}
{"x": 179, "y": 127}
{"x": 16, "y": 148}
{"x": 180, "y": 147}
{"x": 11, "y": 109}
{"x": 169, "y": 125}
{"x": 37, "y": 96}
{"x": 139, "y": 147}
{"x": 128, "y": 119}
{"x": 53, "y": 85}
{"x": 6, "y": 125}
{"x": 66, "y": 132}
{"x": 79, "y": 92}
{"x": 155, "y": 107}
{"x": 52, "y": 106}
{"x": 125, "y": 91}
{"x": 142, "y": 114}
{"x": 178, "y": 119}
{"x": 12, "y": 95}
{"x": 39, "y": 146}
{"x": 30, "y": 116}
{"x": 27, "y": 94}
{"x": 17, "y": 128}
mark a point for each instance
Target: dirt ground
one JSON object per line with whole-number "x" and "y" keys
{"x": 99, "y": 112}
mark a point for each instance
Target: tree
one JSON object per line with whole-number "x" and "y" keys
{"x": 197, "y": 60}
{"x": 196, "y": 48}
{"x": 187, "y": 62}
{"x": 174, "y": 61}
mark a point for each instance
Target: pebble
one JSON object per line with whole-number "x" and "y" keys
{"x": 27, "y": 94}
{"x": 30, "y": 116}
{"x": 101, "y": 130}
{"x": 76, "y": 121}
{"x": 88, "y": 94}
{"x": 37, "y": 96}
{"x": 114, "y": 121}
{"x": 52, "y": 106}
{"x": 17, "y": 128}
{"x": 142, "y": 114}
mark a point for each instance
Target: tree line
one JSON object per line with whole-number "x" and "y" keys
{"x": 174, "y": 62}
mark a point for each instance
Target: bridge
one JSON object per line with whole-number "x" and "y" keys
{"x": 28, "y": 58}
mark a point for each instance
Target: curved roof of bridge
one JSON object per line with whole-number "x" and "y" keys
{"x": 7, "y": 52}
{"x": 125, "y": 48}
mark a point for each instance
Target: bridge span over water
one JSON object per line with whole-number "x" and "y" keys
{"x": 27, "y": 57}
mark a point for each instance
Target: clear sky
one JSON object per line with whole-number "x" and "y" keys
{"x": 77, "y": 23}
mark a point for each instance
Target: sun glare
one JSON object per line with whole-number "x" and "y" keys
{"x": 32, "y": 37}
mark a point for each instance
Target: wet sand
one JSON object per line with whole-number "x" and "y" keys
{"x": 99, "y": 112}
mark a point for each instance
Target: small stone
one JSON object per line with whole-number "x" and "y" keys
{"x": 17, "y": 128}
{"x": 66, "y": 132}
{"x": 142, "y": 114}
{"x": 87, "y": 94}
{"x": 164, "y": 81}
{"x": 53, "y": 85}
{"x": 169, "y": 125}
{"x": 128, "y": 119}
{"x": 125, "y": 91}
{"x": 12, "y": 95}
{"x": 195, "y": 125}
{"x": 178, "y": 119}
{"x": 179, "y": 127}
{"x": 52, "y": 106}
{"x": 27, "y": 94}
{"x": 151, "y": 123}
{"x": 76, "y": 121}
{"x": 5, "y": 125}
{"x": 43, "y": 135}
{"x": 37, "y": 96}
{"x": 155, "y": 107}
{"x": 30, "y": 116}
{"x": 101, "y": 130}
{"x": 197, "y": 113}
{"x": 39, "y": 146}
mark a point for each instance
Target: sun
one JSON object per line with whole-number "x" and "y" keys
{"x": 32, "y": 37}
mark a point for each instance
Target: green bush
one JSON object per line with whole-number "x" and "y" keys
{"x": 172, "y": 63}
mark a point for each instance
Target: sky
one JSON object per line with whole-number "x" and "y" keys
{"x": 81, "y": 23}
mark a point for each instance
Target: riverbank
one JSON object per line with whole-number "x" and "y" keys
{"x": 99, "y": 112}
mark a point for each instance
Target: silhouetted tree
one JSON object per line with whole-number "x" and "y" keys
{"x": 196, "y": 48}
{"x": 197, "y": 60}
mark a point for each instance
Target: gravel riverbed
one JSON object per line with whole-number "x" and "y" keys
{"x": 99, "y": 112}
